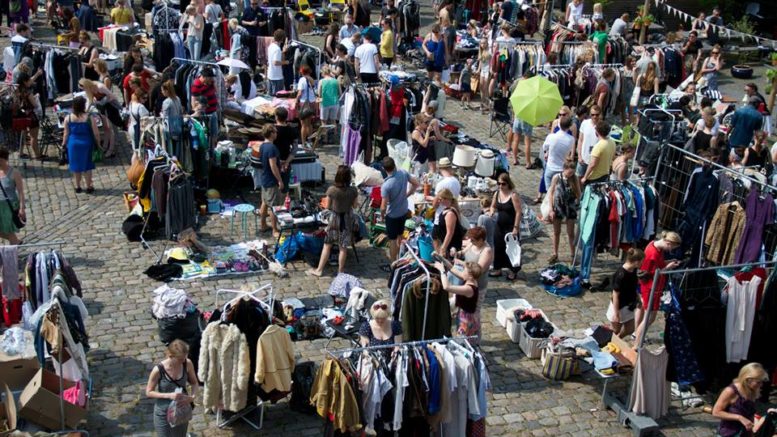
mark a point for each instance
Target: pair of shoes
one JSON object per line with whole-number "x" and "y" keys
{"x": 553, "y": 259}
{"x": 537, "y": 200}
{"x": 89, "y": 190}
{"x": 495, "y": 273}
{"x": 79, "y": 190}
{"x": 512, "y": 276}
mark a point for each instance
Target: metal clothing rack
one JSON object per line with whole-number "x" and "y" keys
{"x": 405, "y": 344}
{"x": 41, "y": 45}
{"x": 596, "y": 185}
{"x": 318, "y": 64}
{"x": 192, "y": 61}
{"x": 270, "y": 296}
{"x": 644, "y": 326}
{"x": 58, "y": 243}
{"x": 428, "y": 284}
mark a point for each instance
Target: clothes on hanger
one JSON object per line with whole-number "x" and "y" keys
{"x": 421, "y": 390}
{"x": 650, "y": 392}
{"x": 409, "y": 286}
{"x": 743, "y": 291}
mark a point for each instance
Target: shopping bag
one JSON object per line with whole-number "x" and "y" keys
{"x": 179, "y": 413}
{"x": 513, "y": 249}
{"x": 634, "y": 102}
{"x": 559, "y": 364}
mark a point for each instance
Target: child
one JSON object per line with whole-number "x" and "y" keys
{"x": 329, "y": 90}
{"x": 624, "y": 294}
{"x": 464, "y": 84}
{"x": 598, "y": 14}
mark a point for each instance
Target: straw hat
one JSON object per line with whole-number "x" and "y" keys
{"x": 444, "y": 163}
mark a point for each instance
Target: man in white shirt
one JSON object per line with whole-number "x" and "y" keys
{"x": 587, "y": 138}
{"x": 367, "y": 61}
{"x": 557, "y": 149}
{"x": 620, "y": 25}
{"x": 23, "y": 34}
{"x": 275, "y": 63}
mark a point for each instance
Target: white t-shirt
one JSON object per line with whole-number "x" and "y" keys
{"x": 237, "y": 90}
{"x": 307, "y": 92}
{"x": 274, "y": 72}
{"x": 349, "y": 46}
{"x": 588, "y": 130}
{"x": 715, "y": 127}
{"x": 450, "y": 183}
{"x": 558, "y": 145}
{"x": 213, "y": 13}
{"x": 618, "y": 27}
{"x": 366, "y": 55}
{"x": 575, "y": 13}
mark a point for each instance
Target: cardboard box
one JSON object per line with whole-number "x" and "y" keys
{"x": 40, "y": 402}
{"x": 7, "y": 412}
{"x": 530, "y": 346}
{"x": 628, "y": 355}
{"x": 16, "y": 373}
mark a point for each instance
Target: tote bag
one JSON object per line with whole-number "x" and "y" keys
{"x": 634, "y": 102}
{"x": 513, "y": 249}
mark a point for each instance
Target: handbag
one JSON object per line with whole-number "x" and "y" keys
{"x": 17, "y": 221}
{"x": 513, "y": 249}
{"x": 634, "y": 102}
{"x": 559, "y": 365}
{"x": 474, "y": 83}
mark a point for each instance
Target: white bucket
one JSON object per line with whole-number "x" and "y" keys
{"x": 486, "y": 164}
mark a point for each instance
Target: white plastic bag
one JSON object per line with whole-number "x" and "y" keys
{"x": 634, "y": 102}
{"x": 513, "y": 249}
{"x": 179, "y": 413}
{"x": 27, "y": 316}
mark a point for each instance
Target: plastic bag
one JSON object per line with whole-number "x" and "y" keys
{"x": 179, "y": 413}
{"x": 27, "y": 316}
{"x": 513, "y": 249}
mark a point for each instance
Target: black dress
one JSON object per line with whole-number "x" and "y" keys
{"x": 505, "y": 221}
{"x": 89, "y": 72}
{"x": 440, "y": 231}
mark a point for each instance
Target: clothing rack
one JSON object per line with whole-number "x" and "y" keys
{"x": 58, "y": 243}
{"x": 41, "y": 45}
{"x": 428, "y": 284}
{"x": 192, "y": 61}
{"x": 603, "y": 65}
{"x": 270, "y": 296}
{"x": 318, "y": 50}
{"x": 405, "y": 344}
{"x": 601, "y": 184}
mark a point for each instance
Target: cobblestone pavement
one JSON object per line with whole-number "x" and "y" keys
{"x": 124, "y": 336}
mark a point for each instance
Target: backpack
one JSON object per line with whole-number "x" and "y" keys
{"x": 301, "y": 384}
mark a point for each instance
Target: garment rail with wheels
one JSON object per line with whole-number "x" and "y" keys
{"x": 318, "y": 62}
{"x": 643, "y": 424}
{"x": 267, "y": 300}
{"x": 428, "y": 286}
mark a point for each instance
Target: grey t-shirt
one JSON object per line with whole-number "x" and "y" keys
{"x": 394, "y": 190}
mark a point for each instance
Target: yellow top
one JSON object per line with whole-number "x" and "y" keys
{"x": 387, "y": 44}
{"x": 605, "y": 151}
{"x": 122, "y": 16}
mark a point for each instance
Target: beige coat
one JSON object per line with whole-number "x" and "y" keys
{"x": 274, "y": 360}
{"x": 223, "y": 367}
{"x": 724, "y": 232}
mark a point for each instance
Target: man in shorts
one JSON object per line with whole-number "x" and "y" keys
{"x": 393, "y": 206}
{"x": 270, "y": 180}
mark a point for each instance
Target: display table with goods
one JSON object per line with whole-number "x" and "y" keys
{"x": 184, "y": 263}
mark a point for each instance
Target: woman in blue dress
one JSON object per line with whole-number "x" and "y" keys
{"x": 435, "y": 49}
{"x": 81, "y": 137}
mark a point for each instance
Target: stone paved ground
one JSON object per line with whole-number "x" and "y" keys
{"x": 125, "y": 344}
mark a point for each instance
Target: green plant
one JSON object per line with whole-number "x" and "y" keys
{"x": 770, "y": 75}
{"x": 743, "y": 25}
{"x": 774, "y": 57}
{"x": 646, "y": 19}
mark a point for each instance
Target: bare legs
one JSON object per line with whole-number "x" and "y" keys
{"x": 305, "y": 130}
{"x": 86, "y": 175}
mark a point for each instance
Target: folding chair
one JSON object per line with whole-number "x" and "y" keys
{"x": 501, "y": 120}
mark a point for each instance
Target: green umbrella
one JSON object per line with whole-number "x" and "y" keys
{"x": 536, "y": 100}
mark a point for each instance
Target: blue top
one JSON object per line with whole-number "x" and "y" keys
{"x": 268, "y": 151}
{"x": 745, "y": 122}
{"x": 394, "y": 190}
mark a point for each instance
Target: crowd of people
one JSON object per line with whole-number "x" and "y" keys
{"x": 577, "y": 151}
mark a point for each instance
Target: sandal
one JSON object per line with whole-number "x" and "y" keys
{"x": 494, "y": 273}
{"x": 89, "y": 190}
{"x": 553, "y": 259}
{"x": 537, "y": 200}
{"x": 512, "y": 276}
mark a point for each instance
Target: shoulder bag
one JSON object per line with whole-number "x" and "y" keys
{"x": 17, "y": 221}
{"x": 559, "y": 364}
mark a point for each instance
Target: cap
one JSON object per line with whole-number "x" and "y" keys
{"x": 394, "y": 80}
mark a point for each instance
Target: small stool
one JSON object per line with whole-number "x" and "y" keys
{"x": 296, "y": 189}
{"x": 244, "y": 209}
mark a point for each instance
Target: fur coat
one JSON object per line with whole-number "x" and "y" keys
{"x": 224, "y": 367}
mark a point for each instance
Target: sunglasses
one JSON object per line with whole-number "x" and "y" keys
{"x": 715, "y": 53}
{"x": 501, "y": 183}
{"x": 594, "y": 114}
{"x": 380, "y": 306}
{"x": 562, "y": 114}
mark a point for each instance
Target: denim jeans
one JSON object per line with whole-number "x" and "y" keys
{"x": 195, "y": 46}
{"x": 587, "y": 257}
{"x": 581, "y": 169}
{"x": 548, "y": 175}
